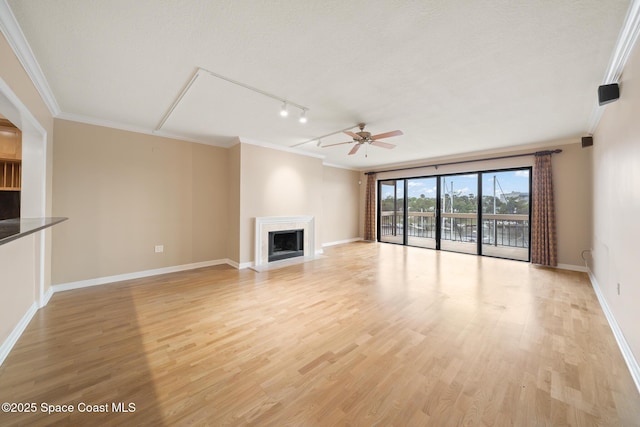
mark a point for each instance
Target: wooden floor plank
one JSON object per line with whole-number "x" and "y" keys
{"x": 370, "y": 334}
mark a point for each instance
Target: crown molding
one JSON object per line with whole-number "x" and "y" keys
{"x": 180, "y": 137}
{"x": 16, "y": 39}
{"x": 624, "y": 45}
{"x": 136, "y": 129}
{"x": 279, "y": 147}
{"x": 476, "y": 155}
{"x": 335, "y": 165}
{"x": 626, "y": 40}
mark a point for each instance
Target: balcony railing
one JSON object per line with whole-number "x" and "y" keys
{"x": 498, "y": 229}
{"x": 505, "y": 230}
{"x": 421, "y": 224}
{"x": 459, "y": 227}
{"x": 391, "y": 224}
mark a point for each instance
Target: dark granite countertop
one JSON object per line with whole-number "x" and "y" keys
{"x": 12, "y": 229}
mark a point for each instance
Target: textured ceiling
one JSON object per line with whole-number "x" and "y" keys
{"x": 455, "y": 76}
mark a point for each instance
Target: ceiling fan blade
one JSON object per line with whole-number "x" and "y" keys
{"x": 388, "y": 134}
{"x": 382, "y": 144}
{"x": 355, "y": 149}
{"x": 353, "y": 135}
{"x": 339, "y": 143}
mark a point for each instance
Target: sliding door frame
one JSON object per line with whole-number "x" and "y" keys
{"x": 438, "y": 218}
{"x": 395, "y": 209}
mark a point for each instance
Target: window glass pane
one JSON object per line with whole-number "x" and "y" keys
{"x": 392, "y": 211}
{"x": 421, "y": 212}
{"x": 459, "y": 213}
{"x": 505, "y": 214}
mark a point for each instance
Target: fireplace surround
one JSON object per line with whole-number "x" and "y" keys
{"x": 264, "y": 225}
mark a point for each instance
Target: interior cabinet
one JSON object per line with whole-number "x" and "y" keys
{"x": 10, "y": 157}
{"x": 10, "y": 143}
{"x": 10, "y": 175}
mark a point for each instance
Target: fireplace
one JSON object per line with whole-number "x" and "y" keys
{"x": 286, "y": 244}
{"x": 266, "y": 225}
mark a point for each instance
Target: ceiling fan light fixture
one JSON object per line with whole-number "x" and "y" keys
{"x": 365, "y": 138}
{"x": 303, "y": 116}
{"x": 283, "y": 110}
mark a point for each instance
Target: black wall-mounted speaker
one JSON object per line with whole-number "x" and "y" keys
{"x": 587, "y": 141}
{"x": 608, "y": 93}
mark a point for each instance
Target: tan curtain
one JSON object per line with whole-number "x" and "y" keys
{"x": 543, "y": 221}
{"x": 370, "y": 209}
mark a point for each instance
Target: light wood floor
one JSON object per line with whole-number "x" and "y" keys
{"x": 372, "y": 334}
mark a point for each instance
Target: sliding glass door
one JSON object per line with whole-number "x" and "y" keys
{"x": 505, "y": 214}
{"x": 422, "y": 204}
{"x": 459, "y": 213}
{"x": 391, "y": 211}
{"x": 483, "y": 213}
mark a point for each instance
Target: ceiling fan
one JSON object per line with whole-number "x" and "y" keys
{"x": 362, "y": 137}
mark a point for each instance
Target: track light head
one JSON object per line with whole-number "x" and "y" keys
{"x": 283, "y": 110}
{"x": 303, "y": 116}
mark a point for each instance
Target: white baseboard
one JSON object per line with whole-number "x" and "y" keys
{"x": 46, "y": 297}
{"x": 137, "y": 275}
{"x": 238, "y": 266}
{"x": 341, "y": 242}
{"x": 627, "y": 354}
{"x": 572, "y": 267}
{"x": 232, "y": 263}
{"x": 12, "y": 339}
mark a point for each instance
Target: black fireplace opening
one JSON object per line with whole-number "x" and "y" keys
{"x": 286, "y": 244}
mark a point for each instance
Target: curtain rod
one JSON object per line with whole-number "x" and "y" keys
{"x": 537, "y": 153}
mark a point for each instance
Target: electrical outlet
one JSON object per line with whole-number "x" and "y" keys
{"x": 618, "y": 288}
{"x": 159, "y": 249}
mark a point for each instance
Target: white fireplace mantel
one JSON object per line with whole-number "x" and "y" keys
{"x": 266, "y": 224}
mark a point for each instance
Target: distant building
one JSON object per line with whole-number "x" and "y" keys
{"x": 519, "y": 196}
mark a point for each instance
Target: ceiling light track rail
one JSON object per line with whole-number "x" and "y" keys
{"x": 255, "y": 89}
{"x": 178, "y": 99}
{"x": 285, "y": 102}
{"x": 319, "y": 138}
{"x": 460, "y": 162}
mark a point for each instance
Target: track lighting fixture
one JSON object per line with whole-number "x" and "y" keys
{"x": 284, "y": 112}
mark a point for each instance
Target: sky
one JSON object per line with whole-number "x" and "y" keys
{"x": 466, "y": 184}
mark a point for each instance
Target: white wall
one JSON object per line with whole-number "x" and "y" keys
{"x": 17, "y": 264}
{"x": 127, "y": 192}
{"x": 340, "y": 208}
{"x": 616, "y": 204}
{"x": 276, "y": 183}
{"x": 25, "y": 263}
